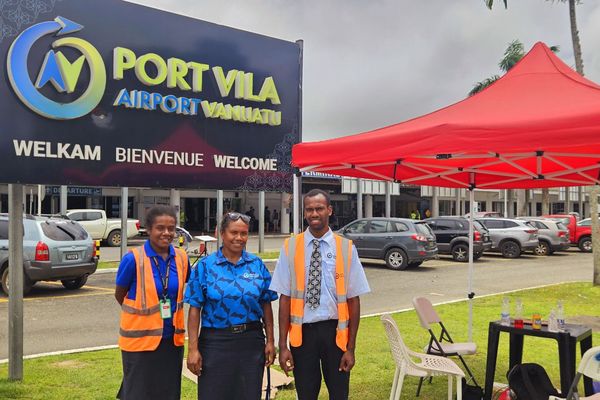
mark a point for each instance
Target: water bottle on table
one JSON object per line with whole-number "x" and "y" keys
{"x": 505, "y": 315}
{"x": 560, "y": 316}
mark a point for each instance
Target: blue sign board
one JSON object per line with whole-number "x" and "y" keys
{"x": 110, "y": 93}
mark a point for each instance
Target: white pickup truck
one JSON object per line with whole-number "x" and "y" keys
{"x": 100, "y": 227}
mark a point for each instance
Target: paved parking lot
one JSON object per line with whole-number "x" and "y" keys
{"x": 57, "y": 319}
{"x": 272, "y": 243}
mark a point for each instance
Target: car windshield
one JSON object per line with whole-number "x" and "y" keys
{"x": 63, "y": 230}
{"x": 479, "y": 226}
{"x": 424, "y": 229}
{"x": 561, "y": 226}
{"x": 563, "y": 220}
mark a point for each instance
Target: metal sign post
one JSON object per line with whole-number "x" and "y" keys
{"x": 261, "y": 221}
{"x": 15, "y": 296}
{"x": 219, "y": 216}
{"x": 124, "y": 208}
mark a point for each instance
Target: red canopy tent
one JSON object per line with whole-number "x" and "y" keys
{"x": 538, "y": 126}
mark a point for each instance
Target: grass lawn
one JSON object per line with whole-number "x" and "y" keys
{"x": 107, "y": 264}
{"x": 269, "y": 255}
{"x": 97, "y": 375}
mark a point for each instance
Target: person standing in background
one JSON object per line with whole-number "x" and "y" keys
{"x": 275, "y": 221}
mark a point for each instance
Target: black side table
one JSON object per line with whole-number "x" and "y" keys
{"x": 567, "y": 343}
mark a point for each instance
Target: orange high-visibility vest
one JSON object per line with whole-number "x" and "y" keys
{"x": 294, "y": 248}
{"x": 141, "y": 324}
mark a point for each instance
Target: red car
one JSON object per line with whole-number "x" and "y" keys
{"x": 580, "y": 233}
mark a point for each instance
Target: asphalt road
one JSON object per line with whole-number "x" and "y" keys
{"x": 58, "y": 319}
{"x": 272, "y": 243}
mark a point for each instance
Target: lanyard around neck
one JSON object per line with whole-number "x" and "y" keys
{"x": 163, "y": 278}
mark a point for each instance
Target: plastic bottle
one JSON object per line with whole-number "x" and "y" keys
{"x": 552, "y": 321}
{"x": 560, "y": 316}
{"x": 505, "y": 315}
{"x": 519, "y": 314}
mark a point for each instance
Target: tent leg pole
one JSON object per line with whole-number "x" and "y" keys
{"x": 470, "y": 293}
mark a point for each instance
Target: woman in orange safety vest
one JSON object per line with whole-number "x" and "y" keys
{"x": 149, "y": 287}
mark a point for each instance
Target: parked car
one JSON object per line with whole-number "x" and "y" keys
{"x": 580, "y": 235}
{"x": 401, "y": 242}
{"x": 452, "y": 237}
{"x": 102, "y": 228}
{"x": 552, "y": 235}
{"x": 485, "y": 214}
{"x": 584, "y": 235}
{"x": 53, "y": 249}
{"x": 511, "y": 237}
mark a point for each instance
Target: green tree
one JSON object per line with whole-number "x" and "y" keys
{"x": 577, "y": 54}
{"x": 512, "y": 55}
{"x": 574, "y": 31}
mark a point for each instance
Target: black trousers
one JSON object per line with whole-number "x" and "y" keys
{"x": 319, "y": 353}
{"x": 232, "y": 365}
{"x": 149, "y": 375}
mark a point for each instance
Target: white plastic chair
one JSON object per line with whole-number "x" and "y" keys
{"x": 426, "y": 365}
{"x": 590, "y": 367}
{"x": 442, "y": 345}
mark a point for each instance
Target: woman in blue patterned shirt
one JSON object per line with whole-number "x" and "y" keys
{"x": 229, "y": 293}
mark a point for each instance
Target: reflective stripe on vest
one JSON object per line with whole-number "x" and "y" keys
{"x": 294, "y": 248}
{"x": 141, "y": 324}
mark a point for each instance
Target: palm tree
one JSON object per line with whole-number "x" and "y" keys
{"x": 490, "y": 3}
{"x": 574, "y": 32}
{"x": 578, "y": 63}
{"x": 512, "y": 55}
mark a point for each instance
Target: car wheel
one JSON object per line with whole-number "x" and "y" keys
{"x": 585, "y": 244}
{"x": 4, "y": 280}
{"x": 542, "y": 249}
{"x": 396, "y": 259}
{"x": 114, "y": 238}
{"x": 73, "y": 284}
{"x": 460, "y": 252}
{"x": 477, "y": 256}
{"x": 510, "y": 249}
{"x": 415, "y": 264}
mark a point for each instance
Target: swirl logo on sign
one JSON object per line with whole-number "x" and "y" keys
{"x": 57, "y": 70}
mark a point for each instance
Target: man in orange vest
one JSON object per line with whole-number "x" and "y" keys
{"x": 320, "y": 279}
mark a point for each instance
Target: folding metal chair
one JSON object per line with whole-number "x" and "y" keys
{"x": 441, "y": 345}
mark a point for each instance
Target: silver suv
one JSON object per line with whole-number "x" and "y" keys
{"x": 511, "y": 237}
{"x": 53, "y": 249}
{"x": 401, "y": 242}
{"x": 552, "y": 235}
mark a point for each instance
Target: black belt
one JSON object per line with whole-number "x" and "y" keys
{"x": 249, "y": 326}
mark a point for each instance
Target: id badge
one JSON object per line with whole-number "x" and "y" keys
{"x": 165, "y": 308}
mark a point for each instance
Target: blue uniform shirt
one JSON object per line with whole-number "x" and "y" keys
{"x": 229, "y": 294}
{"x": 127, "y": 278}
{"x": 356, "y": 282}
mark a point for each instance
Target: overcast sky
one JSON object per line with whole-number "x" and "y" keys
{"x": 373, "y": 63}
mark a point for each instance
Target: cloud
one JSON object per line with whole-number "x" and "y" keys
{"x": 372, "y": 64}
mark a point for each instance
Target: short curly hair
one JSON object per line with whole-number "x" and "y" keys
{"x": 158, "y": 211}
